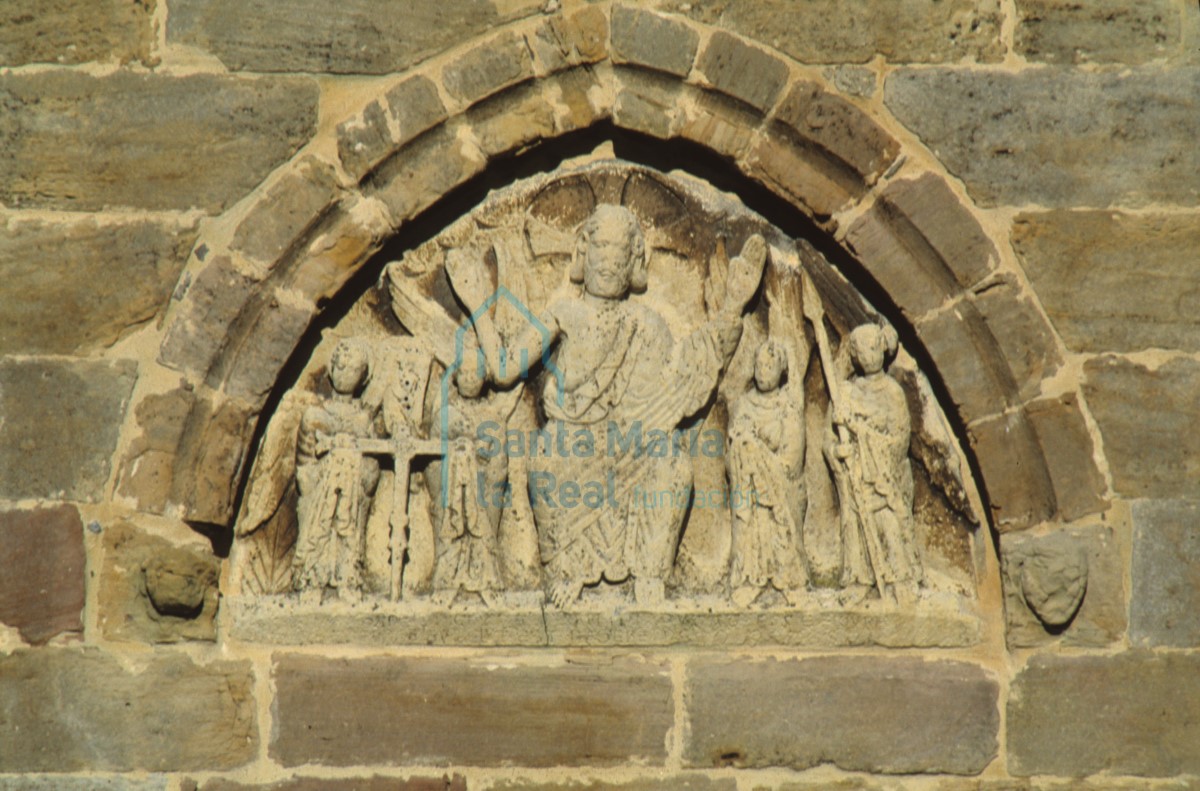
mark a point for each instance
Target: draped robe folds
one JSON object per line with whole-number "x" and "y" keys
{"x": 643, "y": 382}
{"x": 335, "y": 487}
{"x": 767, "y": 493}
{"x": 878, "y": 532}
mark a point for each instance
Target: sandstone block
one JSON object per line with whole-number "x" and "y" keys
{"x": 647, "y": 102}
{"x": 678, "y": 782}
{"x": 1037, "y": 568}
{"x": 1045, "y": 136}
{"x": 209, "y": 300}
{"x": 413, "y": 106}
{"x": 458, "y": 712}
{"x": 156, "y": 590}
{"x": 59, "y": 31}
{"x": 512, "y": 119}
{"x": 353, "y": 37}
{"x": 76, "y": 286}
{"x": 838, "y": 127}
{"x": 643, "y": 38}
{"x": 1165, "y": 606}
{"x": 922, "y": 244}
{"x": 488, "y": 67}
{"x": 251, "y": 371}
{"x": 148, "y": 466}
{"x": 1112, "y": 281}
{"x": 373, "y": 783}
{"x": 819, "y": 185}
{"x": 199, "y": 141}
{"x": 83, "y": 710}
{"x": 422, "y": 172}
{"x": 746, "y": 73}
{"x": 1079, "y": 486}
{"x": 836, "y": 31}
{"x": 89, "y": 782}
{"x": 893, "y": 715}
{"x": 60, "y": 428}
{"x": 41, "y": 592}
{"x": 578, "y": 104}
{"x": 564, "y": 41}
{"x": 1147, "y": 420}
{"x": 1015, "y": 477}
{"x": 287, "y": 210}
{"x": 1129, "y": 714}
{"x": 719, "y": 124}
{"x": 1052, "y": 31}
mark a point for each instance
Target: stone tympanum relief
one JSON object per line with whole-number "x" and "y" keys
{"x": 609, "y": 406}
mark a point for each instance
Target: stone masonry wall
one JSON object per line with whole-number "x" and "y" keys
{"x": 130, "y": 128}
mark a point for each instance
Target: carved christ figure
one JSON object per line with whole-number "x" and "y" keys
{"x": 336, "y": 482}
{"x": 766, "y": 479}
{"x": 869, "y": 457}
{"x": 619, "y": 376}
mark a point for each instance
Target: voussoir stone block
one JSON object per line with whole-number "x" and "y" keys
{"x": 286, "y": 211}
{"x": 1147, "y": 419}
{"x": 412, "y": 105}
{"x": 1165, "y": 605}
{"x": 61, "y": 419}
{"x": 208, "y": 300}
{"x": 885, "y": 715}
{"x": 422, "y": 172}
{"x": 458, "y": 712}
{"x": 1131, "y": 714}
{"x": 179, "y": 142}
{"x": 745, "y": 72}
{"x": 564, "y": 41}
{"x": 719, "y": 124}
{"x": 69, "y": 710}
{"x": 1018, "y": 485}
{"x": 653, "y": 41}
{"x": 1067, "y": 447}
{"x": 836, "y": 31}
{"x": 1112, "y": 281}
{"x": 839, "y": 128}
{"x": 41, "y": 594}
{"x": 1045, "y": 136}
{"x": 489, "y": 66}
{"x": 512, "y": 119}
{"x": 1102, "y": 30}
{"x": 647, "y": 101}
{"x": 76, "y": 286}
{"x": 60, "y": 31}
{"x": 922, "y": 244}
{"x": 352, "y": 37}
{"x": 250, "y": 371}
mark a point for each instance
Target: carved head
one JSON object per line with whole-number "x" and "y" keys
{"x": 348, "y": 366}
{"x": 610, "y": 253}
{"x": 871, "y": 345}
{"x": 770, "y": 364}
{"x": 469, "y": 377}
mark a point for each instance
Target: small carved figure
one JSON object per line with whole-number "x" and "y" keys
{"x": 621, "y": 378}
{"x": 869, "y": 457}
{"x": 336, "y": 482}
{"x": 766, "y": 479}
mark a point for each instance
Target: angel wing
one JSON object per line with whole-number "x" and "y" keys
{"x": 275, "y": 463}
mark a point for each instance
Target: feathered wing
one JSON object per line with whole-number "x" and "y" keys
{"x": 275, "y": 463}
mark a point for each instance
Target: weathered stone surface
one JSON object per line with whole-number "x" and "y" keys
{"x": 61, "y": 31}
{"x": 89, "y": 782}
{"x": 839, "y": 128}
{"x": 1165, "y": 606}
{"x": 413, "y": 106}
{"x": 1053, "y": 31}
{"x": 76, "y": 286}
{"x": 643, "y": 38}
{"x": 1079, "y": 486}
{"x": 1046, "y": 136}
{"x": 289, "y": 207}
{"x": 373, "y": 783}
{"x": 1100, "y": 619}
{"x": 1017, "y": 483}
{"x": 922, "y": 244}
{"x": 647, "y": 102}
{"x": 459, "y": 712}
{"x": 744, "y": 72}
{"x": 894, "y": 715}
{"x": 817, "y": 184}
{"x": 719, "y": 123}
{"x": 1147, "y": 419}
{"x": 1112, "y": 281}
{"x": 679, "y": 782}
{"x": 1129, "y": 714}
{"x": 147, "y": 468}
{"x": 75, "y": 710}
{"x": 176, "y": 142}
{"x": 852, "y": 80}
{"x": 512, "y": 119}
{"x": 423, "y": 172}
{"x": 210, "y": 299}
{"x": 213, "y": 446}
{"x": 834, "y": 31}
{"x": 60, "y": 427}
{"x": 41, "y": 592}
{"x": 250, "y": 370}
{"x": 563, "y": 41}
{"x": 354, "y": 37}
{"x": 494, "y": 64}
{"x": 156, "y": 590}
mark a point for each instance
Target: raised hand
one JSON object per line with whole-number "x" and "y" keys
{"x": 745, "y": 273}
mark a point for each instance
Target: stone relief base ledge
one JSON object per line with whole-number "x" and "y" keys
{"x": 939, "y": 622}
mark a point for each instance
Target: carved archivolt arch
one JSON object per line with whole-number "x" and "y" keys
{"x": 260, "y": 274}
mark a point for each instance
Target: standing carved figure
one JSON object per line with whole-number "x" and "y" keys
{"x": 868, "y": 451}
{"x": 766, "y": 479}
{"x": 620, "y": 377}
{"x": 336, "y": 482}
